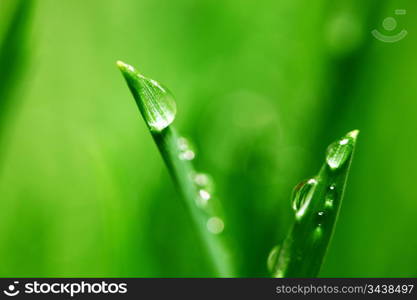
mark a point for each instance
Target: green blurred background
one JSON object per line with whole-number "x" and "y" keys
{"x": 262, "y": 88}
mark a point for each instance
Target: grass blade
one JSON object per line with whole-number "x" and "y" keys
{"x": 158, "y": 109}
{"x": 13, "y": 52}
{"x": 316, "y": 203}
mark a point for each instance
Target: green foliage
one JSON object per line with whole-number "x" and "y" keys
{"x": 316, "y": 202}
{"x": 262, "y": 87}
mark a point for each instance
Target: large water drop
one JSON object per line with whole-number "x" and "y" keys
{"x": 302, "y": 195}
{"x": 340, "y": 151}
{"x": 155, "y": 102}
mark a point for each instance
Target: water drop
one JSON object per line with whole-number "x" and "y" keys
{"x": 186, "y": 152}
{"x": 155, "y": 102}
{"x": 183, "y": 144}
{"x": 330, "y": 197}
{"x": 215, "y": 225}
{"x": 203, "y": 181}
{"x": 272, "y": 258}
{"x": 339, "y": 152}
{"x": 318, "y": 233}
{"x": 187, "y": 155}
{"x": 203, "y": 197}
{"x": 302, "y": 195}
{"x": 320, "y": 218}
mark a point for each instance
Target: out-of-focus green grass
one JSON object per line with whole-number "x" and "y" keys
{"x": 261, "y": 88}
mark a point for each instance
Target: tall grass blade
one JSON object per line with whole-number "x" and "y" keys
{"x": 158, "y": 109}
{"x": 13, "y": 53}
{"x": 316, "y": 203}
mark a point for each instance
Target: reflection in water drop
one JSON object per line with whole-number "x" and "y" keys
{"x": 272, "y": 258}
{"x": 302, "y": 195}
{"x": 215, "y": 225}
{"x": 204, "y": 194}
{"x": 344, "y": 142}
{"x": 131, "y": 68}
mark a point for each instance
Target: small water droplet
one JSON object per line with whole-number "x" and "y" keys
{"x": 203, "y": 197}
{"x": 318, "y": 233}
{"x": 183, "y": 143}
{"x": 302, "y": 195}
{"x": 272, "y": 258}
{"x": 340, "y": 151}
{"x": 320, "y": 218}
{"x": 330, "y": 197}
{"x": 186, "y": 152}
{"x": 215, "y": 225}
{"x": 187, "y": 155}
{"x": 203, "y": 181}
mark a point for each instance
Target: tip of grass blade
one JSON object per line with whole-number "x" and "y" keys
{"x": 120, "y": 64}
{"x": 353, "y": 134}
{"x": 124, "y": 67}
{"x": 155, "y": 102}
